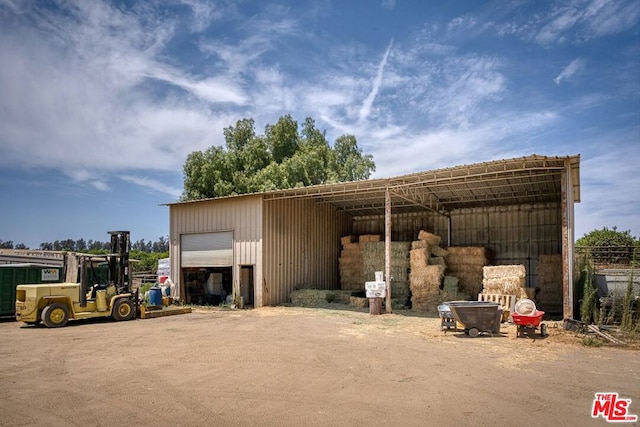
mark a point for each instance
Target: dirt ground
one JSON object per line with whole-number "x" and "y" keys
{"x": 285, "y": 366}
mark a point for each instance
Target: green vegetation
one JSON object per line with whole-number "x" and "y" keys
{"x": 286, "y": 156}
{"x": 607, "y": 248}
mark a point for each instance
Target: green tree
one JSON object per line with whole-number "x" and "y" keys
{"x": 286, "y": 156}
{"x": 606, "y": 237}
{"x": 609, "y": 246}
{"x": 351, "y": 164}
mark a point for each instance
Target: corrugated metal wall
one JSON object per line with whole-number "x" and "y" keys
{"x": 404, "y": 227}
{"x": 241, "y": 215}
{"x": 514, "y": 234}
{"x": 301, "y": 247}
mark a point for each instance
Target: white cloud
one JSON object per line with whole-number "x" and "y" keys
{"x": 365, "y": 110}
{"x": 152, "y": 184}
{"x": 568, "y": 71}
{"x": 388, "y": 4}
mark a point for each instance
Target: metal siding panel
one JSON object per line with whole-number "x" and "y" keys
{"x": 242, "y": 215}
{"x": 301, "y": 244}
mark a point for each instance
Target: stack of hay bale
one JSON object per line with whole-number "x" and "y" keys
{"x": 350, "y": 261}
{"x": 466, "y": 263}
{"x": 504, "y": 280}
{"x": 550, "y": 296}
{"x": 311, "y": 297}
{"x": 426, "y": 275}
{"x": 373, "y": 257}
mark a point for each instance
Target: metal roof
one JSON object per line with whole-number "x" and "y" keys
{"x": 526, "y": 180}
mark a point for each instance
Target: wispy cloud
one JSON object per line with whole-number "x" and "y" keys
{"x": 574, "y": 21}
{"x": 569, "y": 70}
{"x": 365, "y": 110}
{"x": 388, "y": 4}
{"x": 152, "y": 184}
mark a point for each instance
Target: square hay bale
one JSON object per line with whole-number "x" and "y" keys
{"x": 419, "y": 257}
{"x": 419, "y": 244}
{"x": 351, "y": 246}
{"x": 463, "y": 252}
{"x": 503, "y": 285}
{"x": 432, "y": 274}
{"x": 437, "y": 260}
{"x": 343, "y": 297}
{"x": 369, "y": 238}
{"x": 450, "y": 284}
{"x": 549, "y": 269}
{"x": 311, "y": 297}
{"x": 348, "y": 239}
{"x": 358, "y": 302}
{"x": 437, "y": 251}
{"x": 430, "y": 238}
{"x": 503, "y": 271}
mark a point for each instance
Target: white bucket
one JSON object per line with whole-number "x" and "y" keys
{"x": 379, "y": 276}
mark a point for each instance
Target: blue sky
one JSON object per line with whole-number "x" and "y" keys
{"x": 101, "y": 102}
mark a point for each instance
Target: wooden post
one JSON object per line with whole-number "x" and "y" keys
{"x": 387, "y": 246}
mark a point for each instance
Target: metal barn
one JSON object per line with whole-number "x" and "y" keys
{"x": 262, "y": 246}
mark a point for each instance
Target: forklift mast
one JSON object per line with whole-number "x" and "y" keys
{"x": 119, "y": 260}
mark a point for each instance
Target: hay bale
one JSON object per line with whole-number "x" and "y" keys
{"x": 419, "y": 244}
{"x": 343, "y": 297}
{"x": 429, "y": 275}
{"x": 437, "y": 251}
{"x": 369, "y": 238}
{"x": 430, "y": 238}
{"x": 344, "y": 240}
{"x": 359, "y": 302}
{"x": 549, "y": 269}
{"x": 311, "y": 297}
{"x": 503, "y": 271}
{"x": 430, "y": 304}
{"x": 466, "y": 263}
{"x": 503, "y": 285}
{"x": 437, "y": 260}
{"x": 351, "y": 246}
{"x": 466, "y": 251}
{"x": 419, "y": 257}
{"x": 450, "y": 284}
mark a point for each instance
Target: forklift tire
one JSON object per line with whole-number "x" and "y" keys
{"x": 55, "y": 315}
{"x": 123, "y": 309}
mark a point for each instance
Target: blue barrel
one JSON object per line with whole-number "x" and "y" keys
{"x": 155, "y": 296}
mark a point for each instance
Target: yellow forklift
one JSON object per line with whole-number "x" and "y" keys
{"x": 54, "y": 304}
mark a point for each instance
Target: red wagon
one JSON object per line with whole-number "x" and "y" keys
{"x": 527, "y": 324}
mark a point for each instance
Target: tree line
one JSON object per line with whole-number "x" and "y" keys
{"x": 159, "y": 246}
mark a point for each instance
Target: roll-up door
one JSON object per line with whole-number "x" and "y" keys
{"x": 207, "y": 249}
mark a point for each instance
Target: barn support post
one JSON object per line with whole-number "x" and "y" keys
{"x": 387, "y": 246}
{"x": 567, "y": 201}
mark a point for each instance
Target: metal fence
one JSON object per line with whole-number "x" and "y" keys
{"x": 611, "y": 256}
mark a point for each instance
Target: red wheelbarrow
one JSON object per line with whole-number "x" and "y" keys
{"x": 527, "y": 324}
